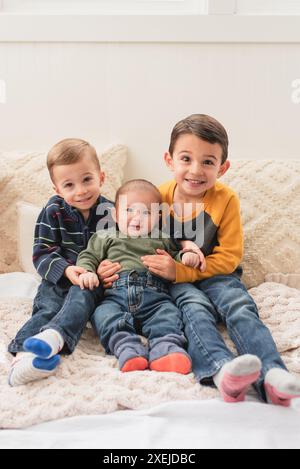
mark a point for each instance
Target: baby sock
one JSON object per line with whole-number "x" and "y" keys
{"x": 130, "y": 351}
{"x": 135, "y": 364}
{"x": 281, "y": 387}
{"x": 235, "y": 378}
{"x": 46, "y": 344}
{"x": 26, "y": 367}
{"x": 173, "y": 362}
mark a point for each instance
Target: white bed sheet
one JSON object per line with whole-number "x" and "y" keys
{"x": 174, "y": 425}
{"x": 18, "y": 284}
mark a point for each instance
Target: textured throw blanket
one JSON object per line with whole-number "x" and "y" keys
{"x": 89, "y": 383}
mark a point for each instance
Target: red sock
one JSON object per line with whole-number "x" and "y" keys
{"x": 174, "y": 362}
{"x": 135, "y": 364}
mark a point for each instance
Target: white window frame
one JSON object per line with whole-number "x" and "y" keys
{"x": 106, "y": 7}
{"x": 267, "y": 7}
{"x": 213, "y": 7}
{"x": 221, "y": 7}
{"x": 220, "y": 25}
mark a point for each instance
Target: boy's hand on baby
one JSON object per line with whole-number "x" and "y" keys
{"x": 107, "y": 272}
{"x": 89, "y": 280}
{"x": 73, "y": 272}
{"x": 161, "y": 264}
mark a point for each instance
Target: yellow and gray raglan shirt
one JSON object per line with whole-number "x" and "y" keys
{"x": 216, "y": 229}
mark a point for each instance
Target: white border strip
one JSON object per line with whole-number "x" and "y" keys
{"x": 137, "y": 28}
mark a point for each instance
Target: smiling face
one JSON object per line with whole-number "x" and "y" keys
{"x": 196, "y": 164}
{"x": 137, "y": 213}
{"x": 78, "y": 184}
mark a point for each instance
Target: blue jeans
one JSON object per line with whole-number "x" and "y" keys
{"x": 223, "y": 299}
{"x": 65, "y": 308}
{"x": 139, "y": 304}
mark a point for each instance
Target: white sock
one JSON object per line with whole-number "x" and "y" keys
{"x": 26, "y": 368}
{"x": 281, "y": 387}
{"x": 46, "y": 344}
{"x": 235, "y": 378}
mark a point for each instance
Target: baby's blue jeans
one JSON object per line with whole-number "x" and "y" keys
{"x": 139, "y": 304}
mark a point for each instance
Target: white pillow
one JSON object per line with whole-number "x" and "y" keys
{"x": 18, "y": 285}
{"x": 5, "y": 176}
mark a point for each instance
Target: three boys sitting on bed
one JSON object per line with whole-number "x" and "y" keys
{"x": 173, "y": 276}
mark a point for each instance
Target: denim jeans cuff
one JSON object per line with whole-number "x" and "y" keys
{"x": 15, "y": 348}
{"x": 208, "y": 375}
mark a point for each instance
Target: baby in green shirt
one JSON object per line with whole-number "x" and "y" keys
{"x": 139, "y": 302}
{"x": 137, "y": 215}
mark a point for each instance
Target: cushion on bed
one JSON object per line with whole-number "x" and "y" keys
{"x": 5, "y": 176}
{"x": 89, "y": 383}
{"x": 290, "y": 280}
{"x": 24, "y": 177}
{"x": 270, "y": 201}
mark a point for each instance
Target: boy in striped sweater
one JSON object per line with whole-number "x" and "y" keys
{"x": 63, "y": 230}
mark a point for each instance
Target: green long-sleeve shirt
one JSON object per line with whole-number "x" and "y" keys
{"x": 126, "y": 251}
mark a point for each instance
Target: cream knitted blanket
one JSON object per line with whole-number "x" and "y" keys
{"x": 89, "y": 383}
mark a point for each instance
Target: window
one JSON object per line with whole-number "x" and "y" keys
{"x": 268, "y": 7}
{"x": 106, "y": 6}
{"x": 154, "y": 7}
{"x": 187, "y": 21}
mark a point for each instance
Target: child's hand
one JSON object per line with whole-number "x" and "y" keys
{"x": 162, "y": 265}
{"x": 107, "y": 271}
{"x": 73, "y": 272}
{"x": 89, "y": 280}
{"x": 192, "y": 248}
{"x": 191, "y": 259}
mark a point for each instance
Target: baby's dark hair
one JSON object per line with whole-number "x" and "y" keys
{"x": 205, "y": 127}
{"x": 138, "y": 185}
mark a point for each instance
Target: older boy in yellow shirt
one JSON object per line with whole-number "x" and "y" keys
{"x": 198, "y": 157}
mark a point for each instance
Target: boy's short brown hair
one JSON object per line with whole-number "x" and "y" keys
{"x": 205, "y": 127}
{"x": 70, "y": 151}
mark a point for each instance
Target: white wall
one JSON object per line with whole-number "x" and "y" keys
{"x": 134, "y": 94}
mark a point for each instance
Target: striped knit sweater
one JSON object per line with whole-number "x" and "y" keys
{"x": 61, "y": 233}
